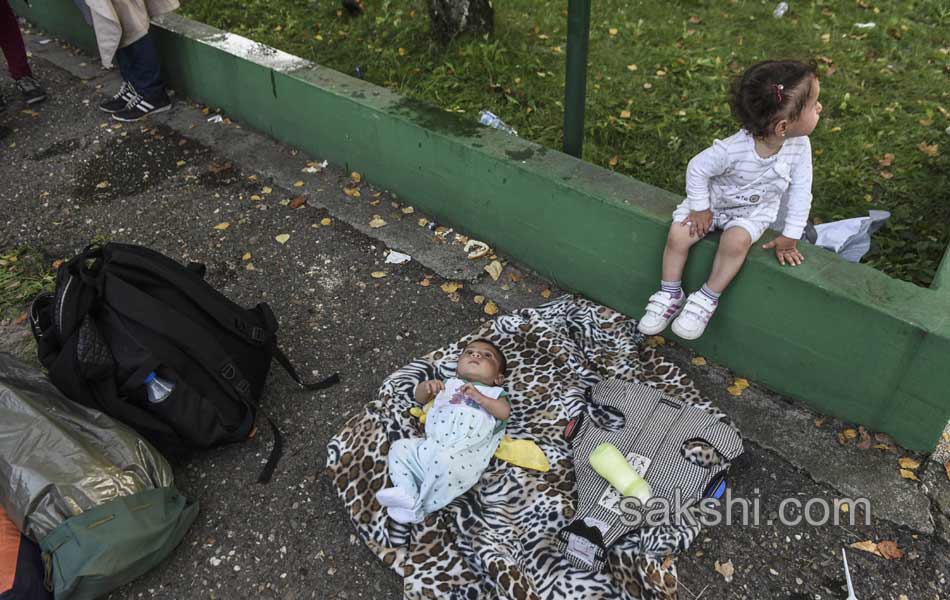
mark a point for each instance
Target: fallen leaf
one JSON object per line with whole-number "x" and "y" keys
{"x": 655, "y": 340}
{"x": 246, "y": 256}
{"x": 254, "y": 178}
{"x": 929, "y": 149}
{"x": 864, "y": 440}
{"x": 297, "y": 201}
{"x": 886, "y": 175}
{"x": 849, "y": 434}
{"x": 222, "y": 226}
{"x": 408, "y": 210}
{"x": 699, "y": 361}
{"x": 494, "y": 269}
{"x": 256, "y": 198}
{"x": 377, "y": 222}
{"x": 479, "y": 299}
{"x": 326, "y": 221}
{"x": 726, "y": 570}
{"x": 889, "y": 550}
{"x": 454, "y": 297}
{"x": 844, "y": 507}
{"x": 926, "y": 122}
{"x": 826, "y": 37}
{"x": 631, "y": 67}
{"x": 356, "y": 177}
{"x": 613, "y": 161}
{"x": 741, "y": 383}
{"x": 545, "y": 293}
{"x": 102, "y": 185}
{"x": 625, "y": 114}
{"x": 695, "y": 20}
{"x": 180, "y": 163}
{"x": 299, "y": 184}
{"x": 612, "y": 31}
{"x": 377, "y": 274}
{"x": 450, "y": 287}
{"x": 423, "y": 222}
{"x": 250, "y": 266}
{"x": 734, "y": 390}
{"x": 266, "y": 190}
{"x": 491, "y": 308}
{"x": 822, "y": 421}
{"x": 647, "y": 85}
{"x": 887, "y": 447}
{"x": 887, "y": 160}
{"x": 57, "y": 263}
{"x": 425, "y": 282}
{"x": 282, "y": 238}
{"x": 908, "y": 463}
{"x": 907, "y": 474}
{"x": 866, "y": 546}
{"x": 352, "y": 192}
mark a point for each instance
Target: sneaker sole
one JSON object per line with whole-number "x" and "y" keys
{"x": 108, "y": 111}
{"x": 144, "y": 115}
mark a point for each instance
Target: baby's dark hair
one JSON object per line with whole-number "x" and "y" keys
{"x": 502, "y": 362}
{"x": 771, "y": 90}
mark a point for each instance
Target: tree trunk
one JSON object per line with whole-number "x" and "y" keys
{"x": 451, "y": 18}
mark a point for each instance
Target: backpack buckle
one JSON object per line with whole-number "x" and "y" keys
{"x": 228, "y": 371}
{"x": 257, "y": 334}
{"x": 243, "y": 387}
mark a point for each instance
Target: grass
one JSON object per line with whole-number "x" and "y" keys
{"x": 23, "y": 274}
{"x": 669, "y": 64}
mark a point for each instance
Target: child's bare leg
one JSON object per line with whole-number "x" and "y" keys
{"x": 678, "y": 243}
{"x": 665, "y": 304}
{"x": 733, "y": 248}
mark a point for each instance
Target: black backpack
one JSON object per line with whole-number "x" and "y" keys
{"x": 121, "y": 312}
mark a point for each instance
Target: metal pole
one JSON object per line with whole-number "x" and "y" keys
{"x": 575, "y": 81}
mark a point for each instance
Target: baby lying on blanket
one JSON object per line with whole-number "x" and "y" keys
{"x": 463, "y": 430}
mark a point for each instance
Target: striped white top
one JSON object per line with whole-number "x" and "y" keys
{"x": 731, "y": 177}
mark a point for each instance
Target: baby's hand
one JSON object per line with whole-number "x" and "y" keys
{"x": 699, "y": 222}
{"x": 427, "y": 390}
{"x": 786, "y": 250}
{"x": 472, "y": 392}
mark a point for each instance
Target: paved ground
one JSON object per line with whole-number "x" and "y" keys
{"x": 69, "y": 175}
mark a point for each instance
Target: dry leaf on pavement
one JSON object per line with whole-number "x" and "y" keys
{"x": 297, "y": 201}
{"x": 908, "y": 474}
{"x": 494, "y": 269}
{"x": 377, "y": 274}
{"x": 866, "y": 546}
{"x": 326, "y": 221}
{"x": 351, "y": 192}
{"x": 282, "y": 238}
{"x": 698, "y": 361}
{"x": 545, "y": 293}
{"x": 356, "y": 177}
{"x": 222, "y": 226}
{"x": 246, "y": 256}
{"x": 491, "y": 308}
{"x": 450, "y": 287}
{"x": 377, "y": 222}
{"x": 889, "y": 550}
{"x": 908, "y": 463}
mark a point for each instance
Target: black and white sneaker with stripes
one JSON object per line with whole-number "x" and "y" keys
{"x": 138, "y": 107}
{"x": 119, "y": 101}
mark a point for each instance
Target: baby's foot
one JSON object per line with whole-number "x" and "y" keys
{"x": 695, "y": 316}
{"x": 395, "y": 497}
{"x": 661, "y": 309}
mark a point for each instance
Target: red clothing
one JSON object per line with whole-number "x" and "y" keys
{"x": 11, "y": 42}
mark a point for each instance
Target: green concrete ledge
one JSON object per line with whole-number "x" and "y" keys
{"x": 844, "y": 338}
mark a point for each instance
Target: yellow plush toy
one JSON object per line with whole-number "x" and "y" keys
{"x": 521, "y": 453}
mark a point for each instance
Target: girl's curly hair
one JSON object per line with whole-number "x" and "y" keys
{"x": 771, "y": 90}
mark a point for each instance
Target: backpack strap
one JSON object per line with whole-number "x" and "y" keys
{"x": 285, "y": 363}
{"x": 276, "y": 452}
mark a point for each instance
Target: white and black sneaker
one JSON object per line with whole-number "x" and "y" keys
{"x": 119, "y": 101}
{"x": 138, "y": 108}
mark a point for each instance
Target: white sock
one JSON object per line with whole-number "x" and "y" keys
{"x": 402, "y": 515}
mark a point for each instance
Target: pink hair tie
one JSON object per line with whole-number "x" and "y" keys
{"x": 778, "y": 91}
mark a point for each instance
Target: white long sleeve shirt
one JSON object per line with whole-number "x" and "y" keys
{"x": 730, "y": 178}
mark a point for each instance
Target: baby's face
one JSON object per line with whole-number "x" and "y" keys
{"x": 480, "y": 362}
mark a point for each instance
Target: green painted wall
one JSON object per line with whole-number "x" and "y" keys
{"x": 844, "y": 338}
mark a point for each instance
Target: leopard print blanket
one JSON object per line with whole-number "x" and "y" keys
{"x": 499, "y": 539}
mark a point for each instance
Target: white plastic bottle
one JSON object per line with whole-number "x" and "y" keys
{"x": 158, "y": 389}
